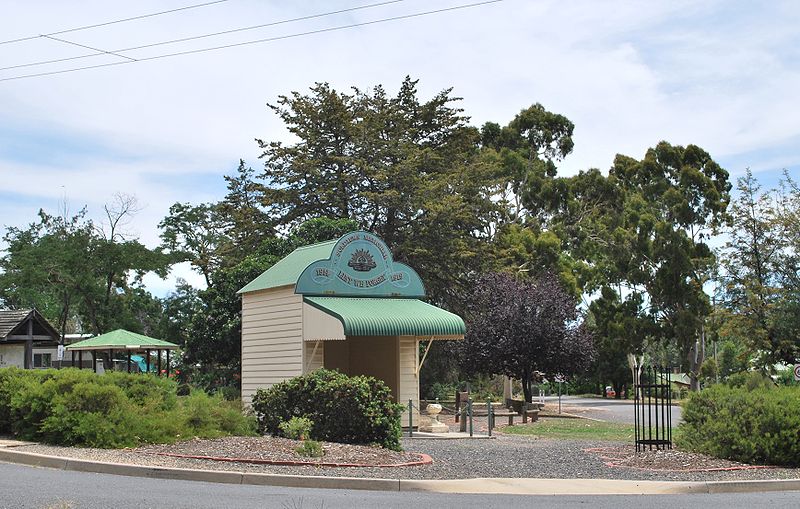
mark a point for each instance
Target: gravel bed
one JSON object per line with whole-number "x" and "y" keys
{"x": 505, "y": 456}
{"x": 280, "y": 449}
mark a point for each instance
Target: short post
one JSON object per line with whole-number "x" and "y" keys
{"x": 469, "y": 407}
{"x": 489, "y": 416}
{"x": 462, "y": 425}
{"x": 410, "y": 419}
{"x": 559, "y": 396}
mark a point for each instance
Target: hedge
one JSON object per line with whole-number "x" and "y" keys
{"x": 352, "y": 410}
{"x": 758, "y": 426}
{"x": 79, "y": 407}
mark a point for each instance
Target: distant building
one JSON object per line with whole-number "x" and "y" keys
{"x": 27, "y": 340}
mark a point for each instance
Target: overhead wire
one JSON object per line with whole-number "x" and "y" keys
{"x": 203, "y": 36}
{"x": 259, "y": 41}
{"x": 113, "y": 22}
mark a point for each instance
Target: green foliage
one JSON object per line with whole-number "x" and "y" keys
{"x": 352, "y": 410}
{"x": 750, "y": 381}
{"x": 76, "y": 407}
{"x": 75, "y": 270}
{"x": 752, "y": 426}
{"x": 296, "y": 428}
{"x": 310, "y": 449}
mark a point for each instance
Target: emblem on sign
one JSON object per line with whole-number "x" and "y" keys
{"x": 361, "y": 261}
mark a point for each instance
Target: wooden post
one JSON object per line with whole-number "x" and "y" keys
{"x": 167, "y": 363}
{"x": 110, "y": 359}
{"x": 80, "y": 359}
{"x": 73, "y": 358}
{"x": 28, "y": 361}
{"x": 147, "y": 360}
{"x": 159, "y": 362}
{"x": 129, "y": 360}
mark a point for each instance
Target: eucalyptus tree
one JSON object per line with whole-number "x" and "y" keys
{"x": 643, "y": 232}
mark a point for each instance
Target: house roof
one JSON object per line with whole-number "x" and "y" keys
{"x": 390, "y": 317}
{"x": 121, "y": 339}
{"x": 11, "y": 319}
{"x": 288, "y": 269}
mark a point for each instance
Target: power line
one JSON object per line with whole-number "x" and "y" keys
{"x": 258, "y": 41}
{"x": 106, "y": 23}
{"x": 185, "y": 39}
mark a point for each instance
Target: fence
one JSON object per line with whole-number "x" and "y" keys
{"x": 652, "y": 405}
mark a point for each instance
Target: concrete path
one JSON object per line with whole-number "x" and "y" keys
{"x": 605, "y": 409}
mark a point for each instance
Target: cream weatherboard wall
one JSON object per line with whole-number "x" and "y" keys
{"x": 272, "y": 338}
{"x": 409, "y": 379}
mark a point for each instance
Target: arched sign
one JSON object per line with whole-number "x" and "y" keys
{"x": 360, "y": 265}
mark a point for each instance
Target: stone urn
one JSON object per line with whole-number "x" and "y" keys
{"x": 433, "y": 425}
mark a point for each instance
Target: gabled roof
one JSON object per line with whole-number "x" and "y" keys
{"x": 288, "y": 269}
{"x": 123, "y": 340}
{"x": 11, "y": 319}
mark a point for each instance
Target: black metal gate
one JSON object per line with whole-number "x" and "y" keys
{"x": 652, "y": 404}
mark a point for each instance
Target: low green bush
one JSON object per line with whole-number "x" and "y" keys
{"x": 752, "y": 426}
{"x": 310, "y": 449}
{"x": 297, "y": 428}
{"x": 352, "y": 410}
{"x": 79, "y": 407}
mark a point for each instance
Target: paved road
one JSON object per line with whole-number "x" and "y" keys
{"x": 605, "y": 409}
{"x": 38, "y": 488}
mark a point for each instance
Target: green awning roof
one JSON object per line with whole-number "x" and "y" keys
{"x": 390, "y": 317}
{"x": 121, "y": 339}
{"x": 288, "y": 269}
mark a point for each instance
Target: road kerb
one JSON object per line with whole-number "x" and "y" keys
{"x": 526, "y": 486}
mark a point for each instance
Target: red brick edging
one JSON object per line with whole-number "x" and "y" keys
{"x": 424, "y": 459}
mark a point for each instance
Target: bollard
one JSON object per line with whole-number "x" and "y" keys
{"x": 410, "y": 419}
{"x": 524, "y": 412}
{"x": 462, "y": 425}
{"x": 469, "y": 406}
{"x": 489, "y": 416}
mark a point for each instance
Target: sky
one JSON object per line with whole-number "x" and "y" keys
{"x": 723, "y": 75}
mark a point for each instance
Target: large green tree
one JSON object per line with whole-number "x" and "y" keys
{"x": 643, "y": 230}
{"x": 85, "y": 277}
{"x": 409, "y": 170}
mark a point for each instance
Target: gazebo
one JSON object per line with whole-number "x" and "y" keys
{"x": 127, "y": 342}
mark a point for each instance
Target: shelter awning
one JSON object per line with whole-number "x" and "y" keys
{"x": 386, "y": 317}
{"x": 121, "y": 339}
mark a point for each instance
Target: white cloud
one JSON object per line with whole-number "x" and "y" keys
{"x": 722, "y": 75}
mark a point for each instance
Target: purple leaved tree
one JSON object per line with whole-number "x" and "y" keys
{"x": 520, "y": 327}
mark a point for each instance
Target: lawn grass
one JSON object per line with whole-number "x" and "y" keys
{"x": 577, "y": 429}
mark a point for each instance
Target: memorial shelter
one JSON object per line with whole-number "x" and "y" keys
{"x": 343, "y": 304}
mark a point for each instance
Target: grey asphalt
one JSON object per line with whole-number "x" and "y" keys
{"x": 605, "y": 409}
{"x": 39, "y": 488}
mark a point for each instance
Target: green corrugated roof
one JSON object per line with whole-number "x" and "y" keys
{"x": 288, "y": 269}
{"x": 390, "y": 317}
{"x": 122, "y": 339}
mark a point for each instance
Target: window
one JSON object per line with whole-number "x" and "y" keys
{"x": 42, "y": 360}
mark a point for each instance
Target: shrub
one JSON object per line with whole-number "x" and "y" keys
{"x": 296, "y": 428}
{"x": 353, "y": 410}
{"x": 78, "y": 407}
{"x": 310, "y": 449}
{"x": 752, "y": 426}
{"x": 750, "y": 380}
